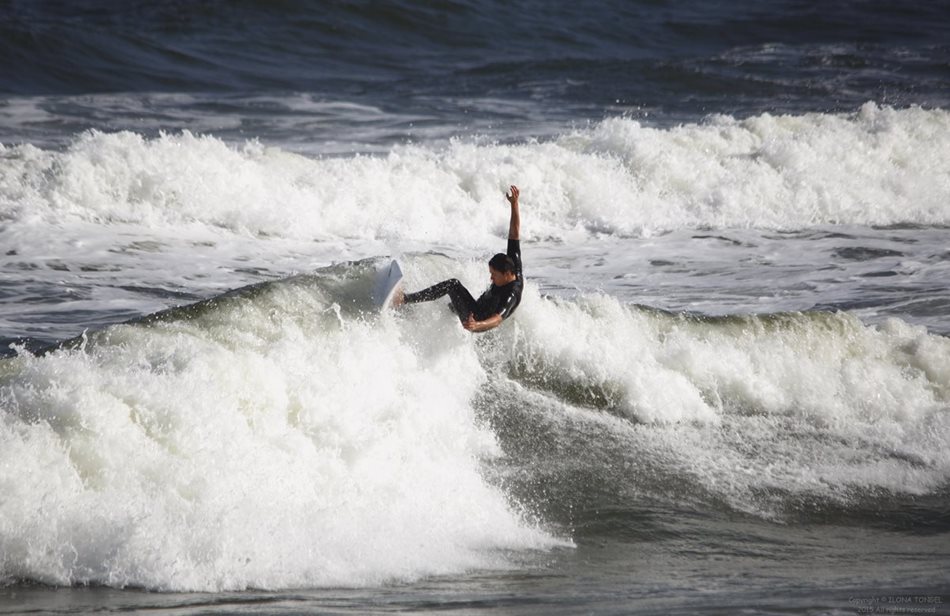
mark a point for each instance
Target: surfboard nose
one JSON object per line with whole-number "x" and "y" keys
{"x": 387, "y": 288}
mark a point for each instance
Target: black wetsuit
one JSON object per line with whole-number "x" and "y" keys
{"x": 496, "y": 300}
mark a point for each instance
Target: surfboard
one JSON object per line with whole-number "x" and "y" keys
{"x": 388, "y": 281}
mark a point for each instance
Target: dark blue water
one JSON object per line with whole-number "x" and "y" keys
{"x": 429, "y": 69}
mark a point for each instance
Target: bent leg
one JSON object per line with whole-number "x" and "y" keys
{"x": 462, "y": 300}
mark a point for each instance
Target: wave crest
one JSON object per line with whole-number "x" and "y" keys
{"x": 880, "y": 166}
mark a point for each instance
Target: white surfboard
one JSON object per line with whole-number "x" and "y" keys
{"x": 388, "y": 281}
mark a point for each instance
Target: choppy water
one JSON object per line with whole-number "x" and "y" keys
{"x": 726, "y": 387}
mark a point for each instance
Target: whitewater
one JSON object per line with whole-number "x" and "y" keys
{"x": 879, "y": 166}
{"x": 726, "y": 389}
{"x": 728, "y": 324}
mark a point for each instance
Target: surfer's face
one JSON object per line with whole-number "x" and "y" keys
{"x": 499, "y": 278}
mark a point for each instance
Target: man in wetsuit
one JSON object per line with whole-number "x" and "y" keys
{"x": 502, "y": 297}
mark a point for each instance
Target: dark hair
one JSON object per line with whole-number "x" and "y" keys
{"x": 503, "y": 263}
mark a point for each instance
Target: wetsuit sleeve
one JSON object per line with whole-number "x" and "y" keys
{"x": 511, "y": 302}
{"x": 514, "y": 251}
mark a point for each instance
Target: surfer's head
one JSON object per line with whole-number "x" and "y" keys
{"x": 501, "y": 267}
{"x": 503, "y": 263}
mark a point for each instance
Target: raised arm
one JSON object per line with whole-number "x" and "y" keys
{"x": 514, "y": 233}
{"x": 514, "y": 226}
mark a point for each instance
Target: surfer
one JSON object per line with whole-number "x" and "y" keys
{"x": 502, "y": 297}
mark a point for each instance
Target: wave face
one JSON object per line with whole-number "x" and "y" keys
{"x": 879, "y": 166}
{"x": 284, "y": 435}
{"x": 620, "y": 422}
{"x": 781, "y": 409}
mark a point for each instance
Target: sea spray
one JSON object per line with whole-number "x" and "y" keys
{"x": 827, "y": 366}
{"x": 761, "y": 412}
{"x": 268, "y": 440}
{"x": 285, "y": 435}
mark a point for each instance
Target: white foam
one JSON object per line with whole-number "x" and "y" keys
{"x": 827, "y": 366}
{"x": 760, "y": 410}
{"x": 875, "y": 167}
{"x": 266, "y": 444}
{"x": 221, "y": 455}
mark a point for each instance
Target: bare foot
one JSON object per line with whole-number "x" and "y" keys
{"x": 399, "y": 298}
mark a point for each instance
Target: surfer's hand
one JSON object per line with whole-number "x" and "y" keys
{"x": 513, "y": 197}
{"x": 481, "y": 326}
{"x": 514, "y": 225}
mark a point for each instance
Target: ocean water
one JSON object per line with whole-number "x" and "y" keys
{"x": 726, "y": 390}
